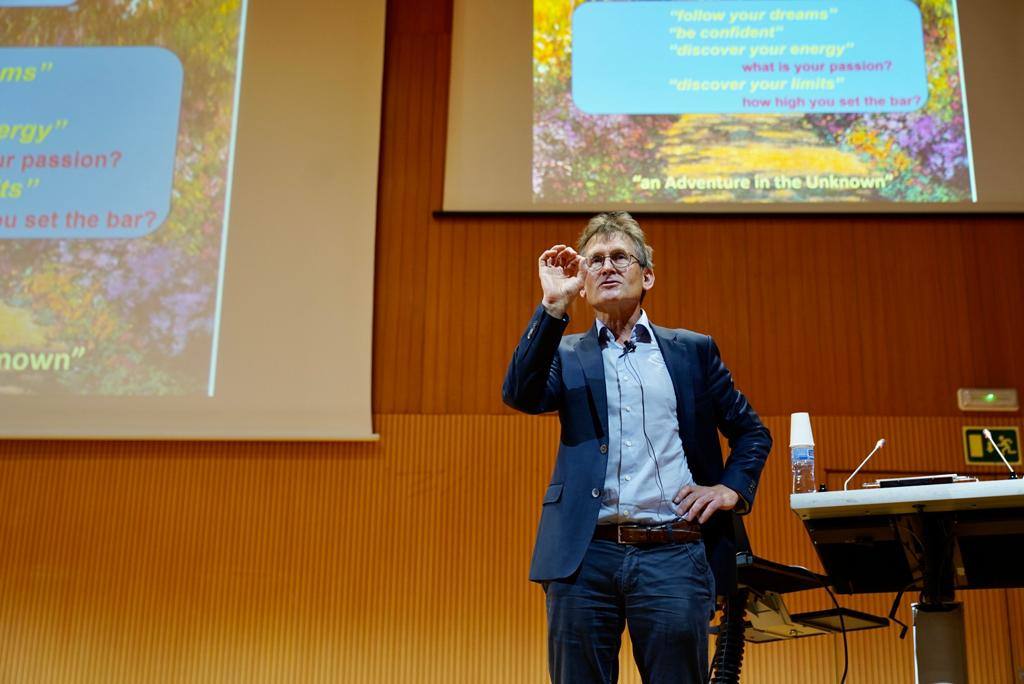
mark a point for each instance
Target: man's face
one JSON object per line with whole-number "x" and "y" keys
{"x": 609, "y": 289}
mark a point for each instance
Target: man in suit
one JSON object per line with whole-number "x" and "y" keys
{"x": 639, "y": 500}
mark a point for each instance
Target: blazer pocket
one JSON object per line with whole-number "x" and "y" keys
{"x": 553, "y": 494}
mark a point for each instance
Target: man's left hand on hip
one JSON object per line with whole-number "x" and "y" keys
{"x": 694, "y": 500}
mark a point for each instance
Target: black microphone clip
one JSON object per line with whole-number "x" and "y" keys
{"x": 630, "y": 346}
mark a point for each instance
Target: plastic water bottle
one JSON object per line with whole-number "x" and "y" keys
{"x": 801, "y": 453}
{"x": 803, "y": 468}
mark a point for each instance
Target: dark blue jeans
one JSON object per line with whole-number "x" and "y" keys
{"x": 666, "y": 596}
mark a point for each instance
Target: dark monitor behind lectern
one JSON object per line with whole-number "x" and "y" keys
{"x": 887, "y": 553}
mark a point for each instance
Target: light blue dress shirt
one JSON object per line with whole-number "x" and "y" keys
{"x": 646, "y": 463}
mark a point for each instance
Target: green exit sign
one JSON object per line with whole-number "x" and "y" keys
{"x": 979, "y": 451}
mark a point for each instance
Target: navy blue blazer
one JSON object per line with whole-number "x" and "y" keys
{"x": 549, "y": 372}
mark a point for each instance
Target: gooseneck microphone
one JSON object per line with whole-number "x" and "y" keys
{"x": 878, "y": 445}
{"x": 988, "y": 436}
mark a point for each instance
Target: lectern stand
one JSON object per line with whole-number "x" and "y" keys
{"x": 940, "y": 653}
{"x": 933, "y": 538}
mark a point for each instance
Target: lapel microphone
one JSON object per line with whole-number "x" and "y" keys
{"x": 629, "y": 346}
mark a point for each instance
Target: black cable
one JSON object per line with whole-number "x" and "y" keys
{"x": 729, "y": 645}
{"x": 895, "y": 606}
{"x": 947, "y": 562}
{"x": 842, "y": 626}
{"x": 643, "y": 423}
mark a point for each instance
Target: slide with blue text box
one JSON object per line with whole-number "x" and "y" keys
{"x": 737, "y": 56}
{"x": 87, "y": 140}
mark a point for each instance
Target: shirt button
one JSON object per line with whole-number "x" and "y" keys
{"x": 595, "y": 492}
{"x": 604, "y": 448}
{"x": 628, "y": 443}
{"x": 629, "y": 410}
{"x": 627, "y": 478}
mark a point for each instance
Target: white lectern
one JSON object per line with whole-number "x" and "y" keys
{"x": 936, "y": 538}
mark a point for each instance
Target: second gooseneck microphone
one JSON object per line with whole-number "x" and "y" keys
{"x": 988, "y": 436}
{"x": 878, "y": 445}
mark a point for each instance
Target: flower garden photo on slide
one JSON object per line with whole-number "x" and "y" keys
{"x": 921, "y": 154}
{"x": 132, "y": 316}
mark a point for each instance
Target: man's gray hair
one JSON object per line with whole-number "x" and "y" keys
{"x": 618, "y": 223}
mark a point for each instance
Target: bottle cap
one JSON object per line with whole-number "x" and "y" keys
{"x": 800, "y": 430}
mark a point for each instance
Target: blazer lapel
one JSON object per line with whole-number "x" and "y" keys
{"x": 589, "y": 353}
{"x": 680, "y": 368}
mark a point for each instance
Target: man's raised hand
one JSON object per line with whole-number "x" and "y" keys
{"x": 561, "y": 278}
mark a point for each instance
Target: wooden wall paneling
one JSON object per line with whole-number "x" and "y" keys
{"x": 398, "y": 317}
{"x": 491, "y": 358}
{"x": 992, "y": 266}
{"x": 989, "y": 654}
{"x": 863, "y": 289}
{"x": 290, "y": 562}
{"x": 402, "y": 560}
{"x": 957, "y": 317}
{"x": 837, "y": 342}
{"x": 723, "y": 286}
{"x": 847, "y": 329}
{"x": 765, "y": 366}
{"x": 1015, "y": 610}
{"x": 417, "y": 56}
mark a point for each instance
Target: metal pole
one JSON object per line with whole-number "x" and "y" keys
{"x": 940, "y": 656}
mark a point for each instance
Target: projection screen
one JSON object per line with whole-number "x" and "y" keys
{"x": 735, "y": 105}
{"x": 187, "y": 214}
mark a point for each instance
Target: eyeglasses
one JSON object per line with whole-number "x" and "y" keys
{"x": 620, "y": 261}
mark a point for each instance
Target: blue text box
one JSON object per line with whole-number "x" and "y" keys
{"x": 87, "y": 140}
{"x": 748, "y": 56}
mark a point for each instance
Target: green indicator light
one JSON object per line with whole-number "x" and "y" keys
{"x": 990, "y": 397}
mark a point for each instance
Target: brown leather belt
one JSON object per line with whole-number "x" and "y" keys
{"x": 678, "y": 532}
